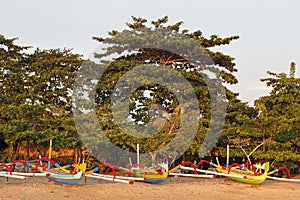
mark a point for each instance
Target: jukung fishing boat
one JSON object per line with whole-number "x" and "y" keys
{"x": 64, "y": 178}
{"x": 57, "y": 174}
{"x": 149, "y": 175}
{"x": 157, "y": 174}
{"x": 243, "y": 174}
{"x": 235, "y": 172}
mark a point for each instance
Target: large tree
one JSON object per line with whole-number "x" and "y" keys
{"x": 36, "y": 96}
{"x": 279, "y": 117}
{"x": 13, "y": 94}
{"x": 169, "y": 47}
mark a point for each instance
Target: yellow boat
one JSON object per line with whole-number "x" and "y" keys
{"x": 235, "y": 171}
{"x": 244, "y": 175}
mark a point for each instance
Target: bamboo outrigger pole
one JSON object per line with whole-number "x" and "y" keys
{"x": 50, "y": 148}
{"x": 50, "y": 151}
{"x": 227, "y": 161}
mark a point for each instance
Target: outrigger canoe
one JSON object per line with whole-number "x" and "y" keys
{"x": 59, "y": 174}
{"x": 244, "y": 175}
{"x": 235, "y": 172}
{"x": 151, "y": 177}
{"x": 148, "y": 175}
{"x": 63, "y": 177}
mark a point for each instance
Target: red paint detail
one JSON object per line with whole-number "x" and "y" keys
{"x": 201, "y": 162}
{"x": 7, "y": 167}
{"x": 18, "y": 161}
{"x": 251, "y": 165}
{"x": 192, "y": 164}
{"x": 233, "y": 165}
{"x": 110, "y": 167}
{"x": 286, "y": 169}
{"x": 43, "y": 159}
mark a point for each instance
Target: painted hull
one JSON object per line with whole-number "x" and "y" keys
{"x": 64, "y": 178}
{"x": 151, "y": 177}
{"x": 245, "y": 176}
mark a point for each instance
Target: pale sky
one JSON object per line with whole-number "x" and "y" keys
{"x": 269, "y": 29}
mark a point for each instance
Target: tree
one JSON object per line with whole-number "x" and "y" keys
{"x": 279, "y": 115}
{"x": 36, "y": 96}
{"x": 156, "y": 45}
{"x": 13, "y": 94}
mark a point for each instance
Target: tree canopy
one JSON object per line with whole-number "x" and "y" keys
{"x": 279, "y": 115}
{"x": 156, "y": 106}
{"x": 35, "y": 96}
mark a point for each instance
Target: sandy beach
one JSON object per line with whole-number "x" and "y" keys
{"x": 173, "y": 188}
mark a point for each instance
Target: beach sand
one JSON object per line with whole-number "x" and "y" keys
{"x": 173, "y": 188}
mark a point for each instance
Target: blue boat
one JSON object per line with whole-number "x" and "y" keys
{"x": 64, "y": 178}
{"x": 58, "y": 174}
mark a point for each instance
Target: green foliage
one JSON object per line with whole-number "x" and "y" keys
{"x": 36, "y": 96}
{"x": 279, "y": 116}
{"x": 142, "y": 111}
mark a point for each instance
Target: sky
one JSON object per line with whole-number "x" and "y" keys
{"x": 269, "y": 29}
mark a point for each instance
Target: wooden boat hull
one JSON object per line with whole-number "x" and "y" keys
{"x": 152, "y": 177}
{"x": 245, "y": 176}
{"x": 64, "y": 178}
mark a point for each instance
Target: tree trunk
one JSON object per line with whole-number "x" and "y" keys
{"x": 153, "y": 157}
{"x": 17, "y": 151}
{"x": 28, "y": 151}
{"x": 269, "y": 143}
{"x": 13, "y": 152}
